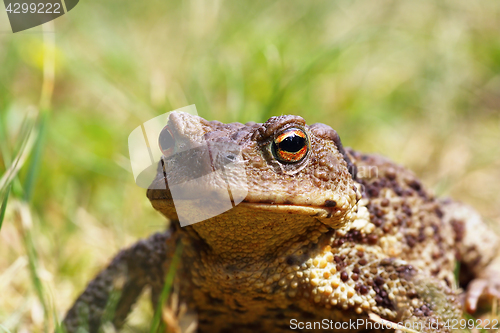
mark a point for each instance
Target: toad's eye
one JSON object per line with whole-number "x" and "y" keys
{"x": 166, "y": 141}
{"x": 291, "y": 146}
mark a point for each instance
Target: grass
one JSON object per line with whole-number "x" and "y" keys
{"x": 3, "y": 208}
{"x": 156, "y": 324}
{"x": 4, "y": 329}
{"x": 416, "y": 81}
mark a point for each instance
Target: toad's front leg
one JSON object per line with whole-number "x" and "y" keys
{"x": 126, "y": 276}
{"x": 389, "y": 288}
{"x": 478, "y": 251}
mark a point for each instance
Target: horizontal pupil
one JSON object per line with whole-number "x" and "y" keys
{"x": 292, "y": 143}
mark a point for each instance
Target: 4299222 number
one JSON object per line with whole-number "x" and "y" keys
{"x": 471, "y": 323}
{"x": 39, "y": 8}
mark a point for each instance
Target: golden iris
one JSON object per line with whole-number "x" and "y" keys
{"x": 291, "y": 146}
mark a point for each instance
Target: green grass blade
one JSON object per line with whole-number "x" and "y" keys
{"x": 4, "y": 328}
{"x": 112, "y": 303}
{"x": 58, "y": 328}
{"x": 4, "y": 205}
{"x": 166, "y": 289}
{"x": 457, "y": 272}
{"x": 20, "y": 159}
{"x": 470, "y": 317}
{"x": 34, "y": 166}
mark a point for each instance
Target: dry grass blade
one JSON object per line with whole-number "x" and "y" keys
{"x": 45, "y": 101}
{"x": 387, "y": 323}
{"x": 27, "y": 224}
{"x": 48, "y": 65}
{"x": 10, "y": 273}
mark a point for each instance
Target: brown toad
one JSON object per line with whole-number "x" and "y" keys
{"x": 324, "y": 233}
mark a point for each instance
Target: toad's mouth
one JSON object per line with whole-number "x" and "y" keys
{"x": 162, "y": 200}
{"x": 314, "y": 211}
{"x": 193, "y": 209}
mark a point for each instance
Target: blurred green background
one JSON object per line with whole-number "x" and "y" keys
{"x": 417, "y": 81}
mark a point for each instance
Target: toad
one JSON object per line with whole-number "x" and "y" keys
{"x": 324, "y": 234}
